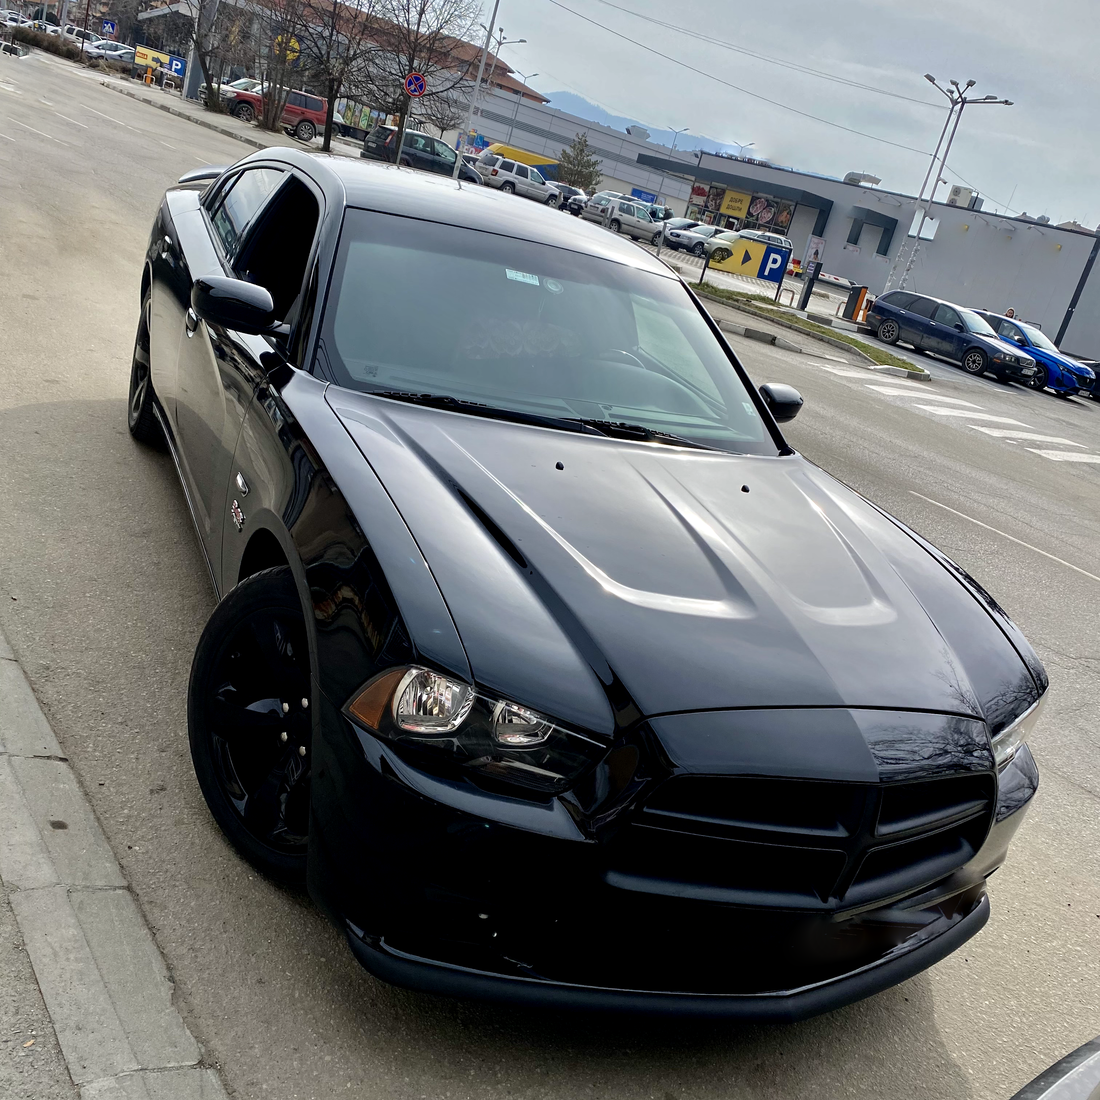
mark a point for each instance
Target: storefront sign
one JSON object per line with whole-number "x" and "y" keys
{"x": 755, "y": 259}
{"x": 644, "y": 196}
{"x": 736, "y": 204}
{"x": 149, "y": 59}
{"x": 714, "y": 197}
{"x": 699, "y": 193}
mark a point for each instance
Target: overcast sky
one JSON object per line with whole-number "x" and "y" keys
{"x": 1041, "y": 155}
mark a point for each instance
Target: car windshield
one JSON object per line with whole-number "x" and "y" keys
{"x": 976, "y": 324}
{"x": 1038, "y": 339}
{"x": 529, "y": 329}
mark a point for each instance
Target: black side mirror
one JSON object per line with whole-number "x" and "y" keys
{"x": 1021, "y": 341}
{"x": 959, "y": 327}
{"x": 233, "y": 303}
{"x": 783, "y": 401}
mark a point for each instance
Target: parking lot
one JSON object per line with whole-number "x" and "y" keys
{"x": 103, "y": 594}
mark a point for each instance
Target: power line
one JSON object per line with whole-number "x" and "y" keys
{"x": 735, "y": 87}
{"x": 781, "y": 62}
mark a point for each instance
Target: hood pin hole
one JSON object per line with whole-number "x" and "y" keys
{"x": 744, "y": 488}
{"x": 559, "y": 465}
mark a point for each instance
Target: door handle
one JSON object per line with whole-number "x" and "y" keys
{"x": 192, "y": 322}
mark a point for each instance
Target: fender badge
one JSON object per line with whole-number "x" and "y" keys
{"x": 238, "y": 515}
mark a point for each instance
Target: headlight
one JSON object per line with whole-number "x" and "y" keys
{"x": 1008, "y": 741}
{"x": 1006, "y": 358}
{"x": 452, "y": 724}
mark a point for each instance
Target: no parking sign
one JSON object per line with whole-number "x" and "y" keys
{"x": 415, "y": 85}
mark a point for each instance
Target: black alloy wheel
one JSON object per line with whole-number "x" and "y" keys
{"x": 140, "y": 417}
{"x": 698, "y": 250}
{"x": 305, "y": 130}
{"x": 615, "y": 225}
{"x": 249, "y": 720}
{"x": 244, "y": 112}
{"x": 975, "y": 361}
{"x": 888, "y": 331}
{"x": 507, "y": 187}
{"x": 1039, "y": 380}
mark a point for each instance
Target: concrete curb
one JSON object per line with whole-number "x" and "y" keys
{"x": 918, "y": 374}
{"x": 103, "y": 980}
{"x": 757, "y": 334}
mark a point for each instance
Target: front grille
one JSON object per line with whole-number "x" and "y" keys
{"x": 801, "y": 843}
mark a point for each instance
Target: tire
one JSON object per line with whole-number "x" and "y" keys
{"x": 1039, "y": 380}
{"x": 550, "y": 201}
{"x": 252, "y": 756}
{"x": 405, "y": 162}
{"x": 305, "y": 130}
{"x": 698, "y": 250}
{"x": 615, "y": 225}
{"x": 975, "y": 361}
{"x": 244, "y": 111}
{"x": 720, "y": 254}
{"x": 889, "y": 331}
{"x": 508, "y": 187}
{"x": 140, "y": 417}
{"x": 655, "y": 240}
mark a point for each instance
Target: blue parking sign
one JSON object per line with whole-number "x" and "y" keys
{"x": 177, "y": 67}
{"x": 774, "y": 264}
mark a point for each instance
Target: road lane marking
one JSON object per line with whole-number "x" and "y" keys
{"x": 895, "y": 392}
{"x": 39, "y": 132}
{"x": 82, "y": 125}
{"x": 973, "y": 416}
{"x": 110, "y": 118}
{"x": 1034, "y": 437}
{"x": 844, "y": 371}
{"x": 6, "y": 136}
{"x": 1005, "y": 534}
{"x": 1065, "y": 456}
{"x": 166, "y": 145}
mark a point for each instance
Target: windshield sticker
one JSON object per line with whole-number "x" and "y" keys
{"x": 522, "y": 277}
{"x": 553, "y": 286}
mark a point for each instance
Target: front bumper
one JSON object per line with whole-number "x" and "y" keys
{"x": 442, "y": 887}
{"x": 1019, "y": 372}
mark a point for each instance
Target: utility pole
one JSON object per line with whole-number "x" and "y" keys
{"x": 477, "y": 85}
{"x": 661, "y": 187}
{"x": 519, "y": 98}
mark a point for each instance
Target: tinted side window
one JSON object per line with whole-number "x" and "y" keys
{"x": 445, "y": 152}
{"x": 507, "y": 166}
{"x": 242, "y": 203}
{"x": 945, "y": 315}
{"x": 313, "y": 103}
{"x": 1008, "y": 330}
{"x": 626, "y": 208}
{"x": 295, "y": 99}
{"x": 521, "y": 171}
{"x": 899, "y": 298}
{"x": 923, "y": 307}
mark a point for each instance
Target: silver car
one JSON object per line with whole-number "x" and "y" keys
{"x": 721, "y": 245}
{"x": 692, "y": 240}
{"x": 519, "y": 179}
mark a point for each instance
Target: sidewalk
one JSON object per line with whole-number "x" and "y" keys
{"x": 91, "y": 968}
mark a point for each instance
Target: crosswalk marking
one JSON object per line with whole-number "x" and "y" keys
{"x": 894, "y": 391}
{"x": 1065, "y": 456}
{"x": 939, "y": 410}
{"x": 1033, "y": 437}
{"x": 845, "y": 371}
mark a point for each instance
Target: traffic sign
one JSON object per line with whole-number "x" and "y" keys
{"x": 109, "y": 27}
{"x": 290, "y": 45}
{"x": 177, "y": 67}
{"x": 415, "y": 85}
{"x": 756, "y": 259}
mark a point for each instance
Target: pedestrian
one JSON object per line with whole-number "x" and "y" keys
{"x": 1010, "y": 312}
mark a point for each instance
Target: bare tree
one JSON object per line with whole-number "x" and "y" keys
{"x": 279, "y": 55}
{"x": 428, "y": 37}
{"x": 337, "y": 43}
{"x": 444, "y": 112}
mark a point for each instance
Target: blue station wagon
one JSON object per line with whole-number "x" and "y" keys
{"x": 940, "y": 328}
{"x": 1053, "y": 370}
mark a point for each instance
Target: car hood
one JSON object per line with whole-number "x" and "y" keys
{"x": 588, "y": 575}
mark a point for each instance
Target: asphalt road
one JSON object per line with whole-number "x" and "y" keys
{"x": 103, "y": 595}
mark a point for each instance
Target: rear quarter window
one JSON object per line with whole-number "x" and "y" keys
{"x": 898, "y": 298}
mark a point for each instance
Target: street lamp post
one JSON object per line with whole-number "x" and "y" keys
{"x": 476, "y": 88}
{"x": 958, "y": 101}
{"x": 501, "y": 43}
{"x": 519, "y": 97}
{"x": 675, "y": 136}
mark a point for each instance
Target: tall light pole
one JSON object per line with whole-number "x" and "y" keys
{"x": 742, "y": 148}
{"x": 501, "y": 43}
{"x": 675, "y": 136}
{"x": 519, "y": 98}
{"x": 958, "y": 101}
{"x": 477, "y": 86}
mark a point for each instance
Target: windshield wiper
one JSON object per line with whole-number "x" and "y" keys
{"x": 479, "y": 408}
{"x": 647, "y": 435}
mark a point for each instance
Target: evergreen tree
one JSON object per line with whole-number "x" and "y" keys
{"x": 578, "y": 167}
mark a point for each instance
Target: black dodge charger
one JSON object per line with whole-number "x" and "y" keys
{"x": 540, "y": 656}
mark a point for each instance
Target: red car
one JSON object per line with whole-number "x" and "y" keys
{"x": 303, "y": 115}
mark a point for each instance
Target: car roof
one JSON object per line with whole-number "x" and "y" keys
{"x": 390, "y": 189}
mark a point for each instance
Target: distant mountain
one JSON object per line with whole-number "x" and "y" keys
{"x": 577, "y": 105}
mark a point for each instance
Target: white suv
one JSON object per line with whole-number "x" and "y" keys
{"x": 519, "y": 179}
{"x": 631, "y": 218}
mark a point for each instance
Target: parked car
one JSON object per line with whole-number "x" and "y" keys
{"x": 303, "y": 115}
{"x": 692, "y": 240}
{"x": 110, "y": 51}
{"x": 595, "y": 210}
{"x": 720, "y": 246}
{"x": 572, "y": 198}
{"x": 75, "y": 34}
{"x": 534, "y": 637}
{"x": 1053, "y": 370}
{"x": 947, "y": 330}
{"x": 244, "y": 84}
{"x": 666, "y": 228}
{"x": 515, "y": 178}
{"x": 631, "y": 218}
{"x": 419, "y": 150}
{"x": 1094, "y": 366}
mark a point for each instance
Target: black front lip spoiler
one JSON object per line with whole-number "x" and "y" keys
{"x": 432, "y": 977}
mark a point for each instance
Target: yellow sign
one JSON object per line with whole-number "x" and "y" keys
{"x": 147, "y": 58}
{"x": 293, "y": 49}
{"x": 745, "y": 259}
{"x": 736, "y": 204}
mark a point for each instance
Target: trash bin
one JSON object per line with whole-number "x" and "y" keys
{"x": 854, "y": 306}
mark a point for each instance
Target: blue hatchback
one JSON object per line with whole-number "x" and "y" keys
{"x": 1055, "y": 371}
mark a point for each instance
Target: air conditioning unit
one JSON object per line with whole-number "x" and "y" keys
{"x": 959, "y": 196}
